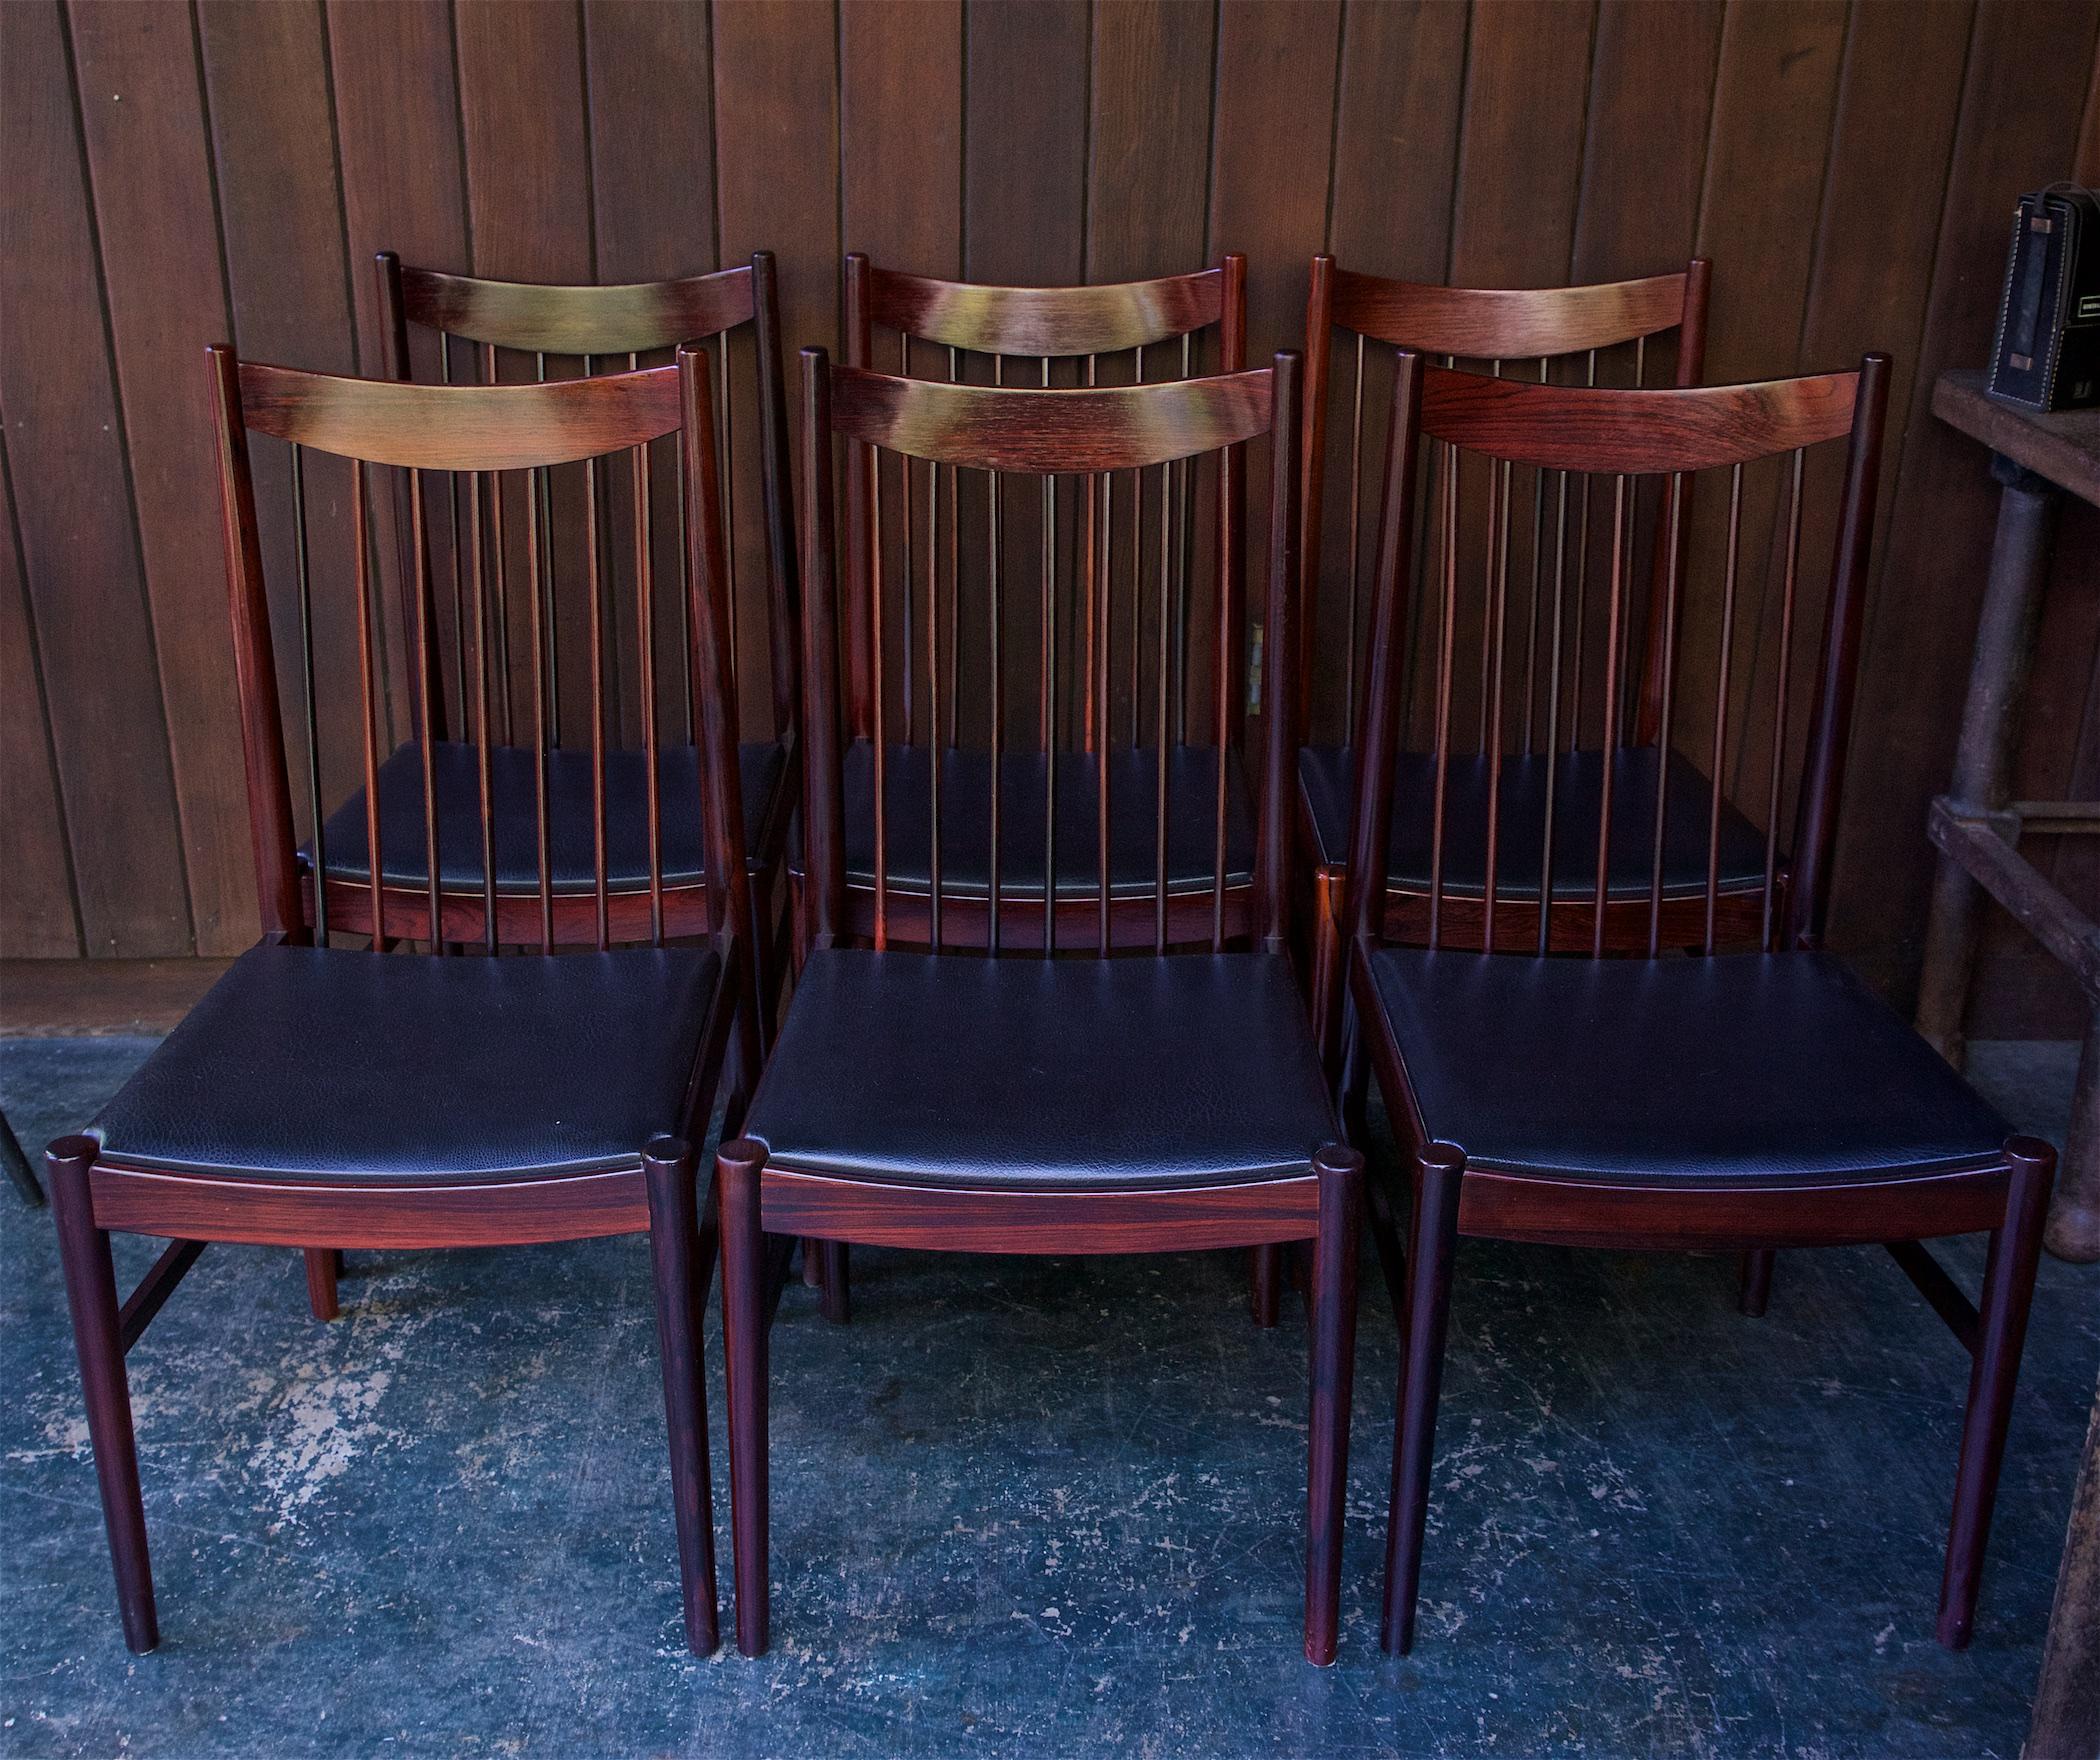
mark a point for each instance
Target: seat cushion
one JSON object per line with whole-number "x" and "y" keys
{"x": 1735, "y": 1067}
{"x": 309, "y": 1063}
{"x": 966, "y": 793}
{"x": 1327, "y": 779}
{"x": 1060, "y": 1074}
{"x": 514, "y": 809}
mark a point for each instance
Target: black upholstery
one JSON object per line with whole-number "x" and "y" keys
{"x": 304, "y": 1063}
{"x": 1734, "y": 1067}
{"x": 1078, "y": 1074}
{"x": 966, "y": 791}
{"x": 515, "y": 813}
{"x": 1327, "y": 780}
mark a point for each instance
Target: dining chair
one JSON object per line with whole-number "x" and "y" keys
{"x": 1747, "y": 1093}
{"x": 490, "y": 331}
{"x": 1016, "y": 557}
{"x": 1000, "y": 1070}
{"x": 326, "y": 1089}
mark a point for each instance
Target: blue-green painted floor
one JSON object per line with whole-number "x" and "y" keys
{"x": 1021, "y": 1507}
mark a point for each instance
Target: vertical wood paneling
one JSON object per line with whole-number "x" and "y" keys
{"x": 900, "y": 142}
{"x": 37, "y": 920}
{"x": 1148, "y": 175}
{"x": 280, "y": 210}
{"x": 776, "y": 188}
{"x": 1520, "y": 146}
{"x": 142, "y": 115}
{"x": 74, "y": 514}
{"x": 1848, "y": 167}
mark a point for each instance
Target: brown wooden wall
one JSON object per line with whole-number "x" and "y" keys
{"x": 179, "y": 174}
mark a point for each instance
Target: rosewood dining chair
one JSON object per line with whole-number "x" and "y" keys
{"x": 1048, "y": 1046}
{"x": 503, "y": 331}
{"x": 1583, "y": 335}
{"x": 328, "y": 1089}
{"x": 1746, "y": 1094}
{"x": 1009, "y": 570}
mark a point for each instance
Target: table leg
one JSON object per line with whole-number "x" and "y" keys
{"x": 2066, "y": 1722}
{"x": 1990, "y": 728}
{"x": 2074, "y": 1213}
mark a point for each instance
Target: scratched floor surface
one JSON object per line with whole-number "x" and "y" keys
{"x": 1029, "y": 1507}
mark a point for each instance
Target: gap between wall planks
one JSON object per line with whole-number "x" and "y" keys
{"x": 1849, "y": 168}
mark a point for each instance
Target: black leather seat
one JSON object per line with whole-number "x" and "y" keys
{"x": 309, "y": 1063}
{"x": 966, "y": 791}
{"x": 1740, "y": 1066}
{"x": 1327, "y": 780}
{"x": 1065, "y": 1074}
{"x": 515, "y": 812}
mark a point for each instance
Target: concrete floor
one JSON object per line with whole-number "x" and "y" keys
{"x": 1041, "y": 1507}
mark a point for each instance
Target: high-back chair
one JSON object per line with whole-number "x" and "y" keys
{"x": 329, "y": 1090}
{"x": 1049, "y": 1089}
{"x": 1090, "y": 568}
{"x": 1706, "y": 1099}
{"x": 490, "y": 332}
{"x": 1606, "y": 333}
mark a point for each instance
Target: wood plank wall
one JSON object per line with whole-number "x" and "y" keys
{"x": 185, "y": 173}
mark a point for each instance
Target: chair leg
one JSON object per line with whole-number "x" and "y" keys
{"x": 1754, "y": 1284}
{"x": 835, "y": 1282}
{"x": 18, "y": 1168}
{"x": 2008, "y": 1287}
{"x": 91, "y": 1293}
{"x": 1265, "y": 1283}
{"x": 1341, "y": 1172}
{"x": 677, "y": 1259}
{"x": 323, "y": 1266}
{"x": 744, "y": 1348}
{"x": 812, "y": 1262}
{"x": 1432, "y": 1242}
{"x": 1356, "y": 1083}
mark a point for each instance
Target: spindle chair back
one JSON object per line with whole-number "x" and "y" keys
{"x": 585, "y": 574}
{"x": 1730, "y": 1085}
{"x": 1004, "y": 704}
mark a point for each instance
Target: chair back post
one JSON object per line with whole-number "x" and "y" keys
{"x": 777, "y": 483}
{"x": 1815, "y": 837}
{"x": 1319, "y": 328}
{"x": 823, "y": 806}
{"x": 1371, "y": 823}
{"x": 713, "y": 683}
{"x": 860, "y": 505}
{"x": 255, "y": 665}
{"x": 1280, "y": 673}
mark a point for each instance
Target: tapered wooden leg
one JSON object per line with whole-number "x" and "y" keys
{"x": 835, "y": 1282}
{"x": 1265, "y": 1283}
{"x": 323, "y": 1265}
{"x": 677, "y": 1258}
{"x": 1754, "y": 1288}
{"x": 2008, "y": 1286}
{"x": 1432, "y": 1242}
{"x": 91, "y": 1293}
{"x": 1341, "y": 1172}
{"x": 813, "y": 1262}
{"x": 744, "y": 1349}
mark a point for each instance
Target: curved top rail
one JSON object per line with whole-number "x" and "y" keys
{"x": 1045, "y": 320}
{"x": 544, "y": 318}
{"x": 1507, "y": 323}
{"x": 988, "y": 427}
{"x": 460, "y": 427}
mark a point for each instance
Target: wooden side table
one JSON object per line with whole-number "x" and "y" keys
{"x": 1976, "y": 823}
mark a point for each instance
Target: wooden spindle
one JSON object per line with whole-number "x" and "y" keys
{"x": 1611, "y": 696}
{"x": 540, "y": 488}
{"x": 1582, "y": 579}
{"x": 500, "y": 611}
{"x": 1498, "y": 621}
{"x": 907, "y": 635}
{"x": 1552, "y": 747}
{"x": 361, "y": 564}
{"x": 878, "y": 669}
{"x": 645, "y": 634}
{"x": 1159, "y": 718}
{"x": 1662, "y": 733}
{"x": 313, "y": 718}
{"x": 427, "y": 686}
{"x": 997, "y": 636}
{"x": 1768, "y": 932}
{"x": 595, "y": 589}
{"x": 453, "y": 485}
{"x": 954, "y": 573}
{"x": 1446, "y": 640}
{"x": 535, "y": 564}
{"x": 1104, "y": 624}
{"x": 725, "y": 484}
{"x": 1356, "y": 469}
{"x": 482, "y": 776}
{"x": 937, "y": 756}
{"x": 1538, "y": 541}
